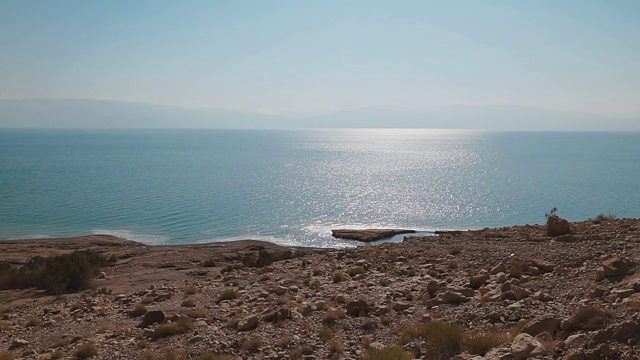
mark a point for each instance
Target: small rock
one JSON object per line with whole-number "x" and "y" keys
{"x": 354, "y": 308}
{"x": 248, "y": 323}
{"x": 152, "y": 317}
{"x": 545, "y": 323}
{"x": 500, "y": 268}
{"x": 478, "y": 280}
{"x": 615, "y": 267}
{"x": 451, "y": 297}
{"x": 525, "y": 346}
{"x": 18, "y": 343}
{"x": 543, "y": 265}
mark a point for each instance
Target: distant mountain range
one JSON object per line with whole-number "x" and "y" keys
{"x": 82, "y": 113}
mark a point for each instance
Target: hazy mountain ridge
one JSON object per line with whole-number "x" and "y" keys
{"x": 85, "y": 113}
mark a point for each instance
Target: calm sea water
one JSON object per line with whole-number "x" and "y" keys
{"x": 292, "y": 187}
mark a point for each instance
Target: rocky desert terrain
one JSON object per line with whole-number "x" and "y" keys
{"x": 509, "y": 293}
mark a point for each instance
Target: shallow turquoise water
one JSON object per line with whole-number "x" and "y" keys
{"x": 292, "y": 187}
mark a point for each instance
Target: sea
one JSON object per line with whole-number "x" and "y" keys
{"x": 293, "y": 187}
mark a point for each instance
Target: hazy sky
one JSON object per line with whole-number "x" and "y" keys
{"x": 304, "y": 56}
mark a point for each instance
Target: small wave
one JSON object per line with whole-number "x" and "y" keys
{"x": 137, "y": 237}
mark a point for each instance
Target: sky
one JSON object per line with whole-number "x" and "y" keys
{"x": 306, "y": 57}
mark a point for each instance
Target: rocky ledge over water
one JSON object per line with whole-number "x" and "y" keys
{"x": 508, "y": 293}
{"x": 368, "y": 235}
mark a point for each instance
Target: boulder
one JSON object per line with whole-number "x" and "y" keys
{"x": 557, "y": 226}
{"x": 152, "y": 317}
{"x": 545, "y": 323}
{"x": 248, "y": 323}
{"x": 451, "y": 297}
{"x": 500, "y": 268}
{"x": 545, "y": 266}
{"x": 615, "y": 267}
{"x": 502, "y": 352}
{"x": 477, "y": 281}
{"x": 525, "y": 346}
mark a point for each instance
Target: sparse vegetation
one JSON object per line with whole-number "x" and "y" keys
{"x": 481, "y": 343}
{"x": 56, "y": 355}
{"x": 58, "y": 274}
{"x": 333, "y": 315}
{"x": 296, "y": 353}
{"x": 325, "y": 334}
{"x": 228, "y": 294}
{"x": 513, "y": 332}
{"x": 590, "y": 318}
{"x": 337, "y": 277}
{"x": 86, "y": 350}
{"x": 444, "y": 339}
{"x": 389, "y": 353}
{"x": 181, "y": 326}
{"x": 191, "y": 290}
{"x": 252, "y": 345}
{"x": 197, "y": 313}
{"x": 33, "y": 322}
{"x": 5, "y": 326}
{"x": 188, "y": 302}
{"x": 336, "y": 347}
{"x": 138, "y": 310}
{"x": 210, "y": 262}
{"x": 356, "y": 270}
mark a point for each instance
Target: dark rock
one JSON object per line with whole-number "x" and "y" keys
{"x": 545, "y": 323}
{"x": 615, "y": 267}
{"x": 354, "y": 308}
{"x": 557, "y": 226}
{"x": 152, "y": 317}
{"x": 368, "y": 235}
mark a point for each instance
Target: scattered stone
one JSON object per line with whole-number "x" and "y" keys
{"x": 525, "y": 346}
{"x": 545, "y": 323}
{"x": 248, "y": 323}
{"x": 18, "y": 343}
{"x": 615, "y": 267}
{"x": 152, "y": 317}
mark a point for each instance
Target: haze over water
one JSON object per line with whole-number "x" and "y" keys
{"x": 292, "y": 187}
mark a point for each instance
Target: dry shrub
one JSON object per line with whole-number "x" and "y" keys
{"x": 590, "y": 318}
{"x": 389, "y": 353}
{"x": 285, "y": 340}
{"x": 296, "y": 353}
{"x": 481, "y": 343}
{"x": 33, "y": 322}
{"x": 210, "y": 262}
{"x": 228, "y": 294}
{"x": 386, "y": 320}
{"x": 181, "y": 326}
{"x": 333, "y": 315}
{"x": 514, "y": 331}
{"x": 444, "y": 339}
{"x": 336, "y": 347}
{"x": 305, "y": 325}
{"x": 58, "y": 274}
{"x": 56, "y": 355}
{"x": 356, "y": 270}
{"x": 603, "y": 217}
{"x": 337, "y": 277}
{"x": 189, "y": 302}
{"x": 212, "y": 356}
{"x": 197, "y": 313}
{"x": 252, "y": 345}
{"x": 325, "y": 334}
{"x": 137, "y": 311}
{"x": 87, "y": 350}
{"x": 191, "y": 290}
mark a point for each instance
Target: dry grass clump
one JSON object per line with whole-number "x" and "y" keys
{"x": 514, "y": 331}
{"x": 5, "y": 326}
{"x": 197, "y": 313}
{"x": 590, "y": 318}
{"x": 5, "y": 355}
{"x": 87, "y": 350}
{"x": 33, "y": 322}
{"x": 337, "y": 277}
{"x": 336, "y": 347}
{"x": 444, "y": 339}
{"x": 188, "y": 302}
{"x": 356, "y": 270}
{"x": 210, "y": 262}
{"x": 252, "y": 345}
{"x": 481, "y": 343}
{"x": 191, "y": 290}
{"x": 58, "y": 354}
{"x": 332, "y": 316}
{"x": 181, "y": 326}
{"x": 325, "y": 334}
{"x": 516, "y": 270}
{"x": 137, "y": 311}
{"x": 296, "y": 353}
{"x": 147, "y": 300}
{"x": 370, "y": 324}
{"x": 228, "y": 294}
{"x": 455, "y": 250}
{"x": 285, "y": 340}
{"x": 389, "y": 353}
{"x": 212, "y": 356}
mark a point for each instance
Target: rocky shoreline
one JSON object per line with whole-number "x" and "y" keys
{"x": 508, "y": 293}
